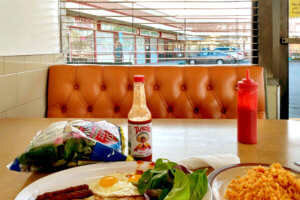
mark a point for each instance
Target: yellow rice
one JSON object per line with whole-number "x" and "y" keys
{"x": 261, "y": 183}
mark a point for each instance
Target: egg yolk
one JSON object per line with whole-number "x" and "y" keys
{"x": 108, "y": 181}
{"x": 134, "y": 178}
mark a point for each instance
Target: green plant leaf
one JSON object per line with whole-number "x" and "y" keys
{"x": 198, "y": 184}
{"x": 181, "y": 187}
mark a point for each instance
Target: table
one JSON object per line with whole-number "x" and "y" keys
{"x": 175, "y": 139}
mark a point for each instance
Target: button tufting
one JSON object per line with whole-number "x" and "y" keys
{"x": 196, "y": 110}
{"x": 117, "y": 109}
{"x": 156, "y": 87}
{"x": 183, "y": 88}
{"x": 103, "y": 87}
{"x": 90, "y": 109}
{"x": 170, "y": 109}
{"x": 209, "y": 87}
{"x": 223, "y": 110}
{"x": 64, "y": 109}
{"x": 76, "y": 87}
{"x": 129, "y": 87}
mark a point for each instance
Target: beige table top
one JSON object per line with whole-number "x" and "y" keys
{"x": 175, "y": 139}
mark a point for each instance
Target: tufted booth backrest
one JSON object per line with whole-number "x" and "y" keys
{"x": 172, "y": 92}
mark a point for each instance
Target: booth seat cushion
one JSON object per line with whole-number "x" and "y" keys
{"x": 172, "y": 92}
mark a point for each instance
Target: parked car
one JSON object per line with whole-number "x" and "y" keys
{"x": 235, "y": 52}
{"x": 211, "y": 57}
{"x": 294, "y": 56}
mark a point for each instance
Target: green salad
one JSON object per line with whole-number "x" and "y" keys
{"x": 170, "y": 181}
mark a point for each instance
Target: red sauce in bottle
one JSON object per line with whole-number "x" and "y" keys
{"x": 140, "y": 124}
{"x": 247, "y": 111}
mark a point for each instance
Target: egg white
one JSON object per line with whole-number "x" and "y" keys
{"x": 119, "y": 189}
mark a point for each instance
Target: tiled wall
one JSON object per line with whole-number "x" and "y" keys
{"x": 23, "y": 83}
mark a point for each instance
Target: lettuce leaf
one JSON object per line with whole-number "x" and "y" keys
{"x": 181, "y": 187}
{"x": 198, "y": 184}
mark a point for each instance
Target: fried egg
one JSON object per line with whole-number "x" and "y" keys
{"x": 116, "y": 185}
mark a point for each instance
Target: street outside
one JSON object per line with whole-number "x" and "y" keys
{"x": 182, "y": 62}
{"x": 294, "y": 89}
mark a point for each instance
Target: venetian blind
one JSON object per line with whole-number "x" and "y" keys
{"x": 159, "y": 31}
{"x": 29, "y": 27}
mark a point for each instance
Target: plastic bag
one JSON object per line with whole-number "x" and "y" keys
{"x": 104, "y": 132}
{"x": 67, "y": 144}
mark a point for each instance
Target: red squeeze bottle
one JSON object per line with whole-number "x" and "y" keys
{"x": 140, "y": 123}
{"x": 247, "y": 110}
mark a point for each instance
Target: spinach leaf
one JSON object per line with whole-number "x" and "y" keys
{"x": 163, "y": 194}
{"x": 161, "y": 177}
{"x": 157, "y": 194}
{"x": 181, "y": 187}
{"x": 144, "y": 183}
{"x": 160, "y": 161}
{"x": 169, "y": 181}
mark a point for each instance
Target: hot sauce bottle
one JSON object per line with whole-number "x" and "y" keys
{"x": 247, "y": 110}
{"x": 140, "y": 123}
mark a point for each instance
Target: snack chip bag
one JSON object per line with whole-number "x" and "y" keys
{"x": 104, "y": 132}
{"x": 67, "y": 144}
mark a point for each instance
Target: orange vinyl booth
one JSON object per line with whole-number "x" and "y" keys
{"x": 172, "y": 92}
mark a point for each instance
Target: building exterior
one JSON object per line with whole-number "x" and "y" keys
{"x": 93, "y": 41}
{"x": 96, "y": 41}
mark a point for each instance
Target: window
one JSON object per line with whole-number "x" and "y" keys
{"x": 105, "y": 47}
{"x": 81, "y": 45}
{"x": 158, "y": 31}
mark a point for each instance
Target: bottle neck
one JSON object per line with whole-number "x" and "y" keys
{"x": 139, "y": 97}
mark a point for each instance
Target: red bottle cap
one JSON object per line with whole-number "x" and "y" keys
{"x": 139, "y": 78}
{"x": 247, "y": 83}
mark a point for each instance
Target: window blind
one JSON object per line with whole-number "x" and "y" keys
{"x": 28, "y": 28}
{"x": 159, "y": 31}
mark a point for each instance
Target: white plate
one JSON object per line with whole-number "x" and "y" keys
{"x": 220, "y": 178}
{"x": 81, "y": 175}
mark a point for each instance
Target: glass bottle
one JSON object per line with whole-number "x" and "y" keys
{"x": 140, "y": 123}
